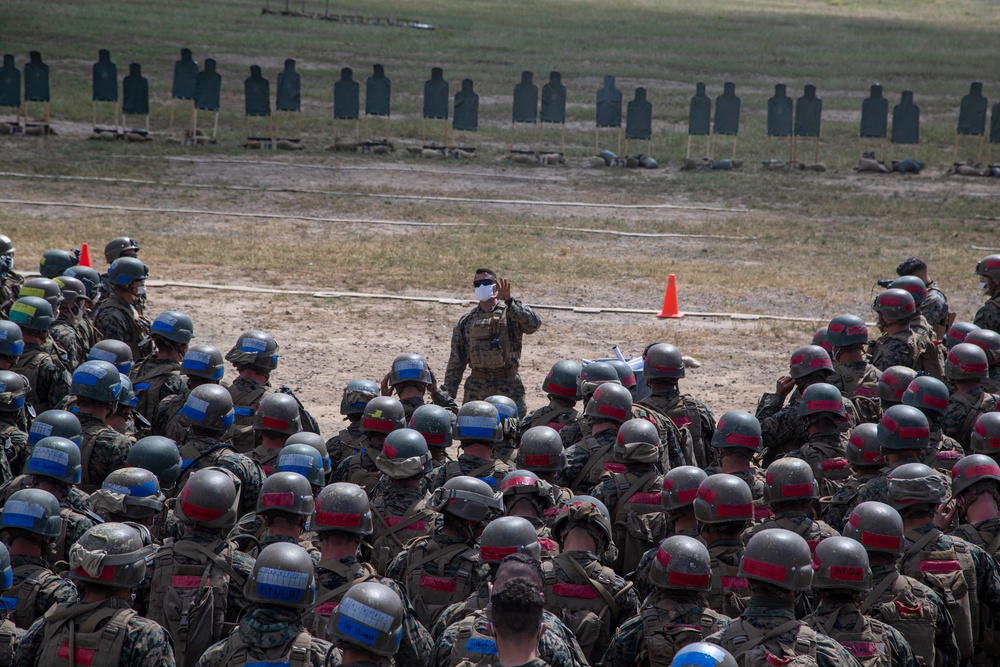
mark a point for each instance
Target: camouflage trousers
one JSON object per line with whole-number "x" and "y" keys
{"x": 477, "y": 389}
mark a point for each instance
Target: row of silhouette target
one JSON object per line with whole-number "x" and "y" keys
{"x": 785, "y": 117}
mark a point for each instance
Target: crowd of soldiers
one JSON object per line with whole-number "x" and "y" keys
{"x": 163, "y": 517}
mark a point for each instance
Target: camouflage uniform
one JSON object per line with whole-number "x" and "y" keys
{"x": 556, "y": 415}
{"x": 267, "y": 628}
{"x": 75, "y": 498}
{"x": 935, "y": 308}
{"x": 672, "y": 439}
{"x": 245, "y": 468}
{"x": 117, "y": 319}
{"x": 146, "y": 643}
{"x": 877, "y": 488}
{"x": 730, "y": 592}
{"x": 520, "y": 319}
{"x": 910, "y": 349}
{"x": 835, "y": 511}
{"x": 839, "y": 621}
{"x": 685, "y": 411}
{"x": 782, "y": 428}
{"x": 48, "y": 377}
{"x": 858, "y": 381}
{"x": 992, "y": 383}
{"x": 247, "y": 395}
{"x": 988, "y": 317}
{"x": 600, "y": 447}
{"x": 102, "y": 449}
{"x": 10, "y": 288}
{"x": 173, "y": 384}
{"x": 75, "y": 524}
{"x": 360, "y": 467}
{"x": 963, "y": 409}
{"x": 439, "y": 398}
{"x": 945, "y": 451}
{"x": 811, "y": 530}
{"x": 344, "y": 445}
{"x": 393, "y": 505}
{"x": 824, "y": 452}
{"x": 87, "y": 332}
{"x": 66, "y": 337}
{"x": 14, "y": 449}
{"x": 632, "y": 517}
{"x": 52, "y": 589}
{"x": 253, "y": 525}
{"x": 491, "y": 471}
{"x": 166, "y": 419}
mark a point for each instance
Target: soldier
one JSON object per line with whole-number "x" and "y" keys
{"x": 115, "y": 352}
{"x": 284, "y": 507}
{"x": 560, "y": 386}
{"x": 778, "y": 566}
{"x": 357, "y": 393}
{"x": 990, "y": 342}
{"x": 113, "y": 249}
{"x": 591, "y": 377}
{"x": 316, "y": 441}
{"x": 411, "y": 378}
{"x": 900, "y": 345}
{"x": 935, "y": 304}
{"x": 988, "y": 269}
{"x": 675, "y": 615}
{"x": 663, "y": 366}
{"x": 842, "y": 579}
{"x": 918, "y": 290}
{"x": 281, "y": 588}
{"x": 276, "y": 418}
{"x": 108, "y": 561}
{"x": 122, "y": 418}
{"x": 542, "y": 453}
{"x": 966, "y": 368}
{"x": 96, "y": 386}
{"x": 963, "y": 574}
{"x": 633, "y": 494}
{"x": 382, "y": 416}
{"x": 48, "y": 378}
{"x": 65, "y": 331}
{"x": 202, "y": 364}
{"x": 117, "y": 316}
{"x": 507, "y": 418}
{"x": 865, "y": 456}
{"x": 158, "y": 376}
{"x": 532, "y": 499}
{"x": 198, "y": 578}
{"x": 589, "y": 461}
{"x": 208, "y": 414}
{"x": 342, "y": 519}
{"x": 478, "y": 431}
{"x": 442, "y": 569}
{"x": 893, "y": 384}
{"x": 986, "y": 435}
{"x": 930, "y": 396}
{"x": 517, "y": 623}
{"x": 31, "y": 524}
{"x": 161, "y": 457}
{"x": 736, "y": 441}
{"x": 367, "y": 625}
{"x": 435, "y": 424}
{"x": 86, "y": 303}
{"x": 853, "y": 375}
{"x": 43, "y": 288}
{"x": 488, "y": 341}
{"x": 57, "y": 423}
{"x": 957, "y": 333}
{"x": 790, "y": 491}
{"x": 822, "y": 339}
{"x": 10, "y": 635}
{"x": 591, "y": 599}
{"x": 10, "y": 282}
{"x": 129, "y": 495}
{"x": 724, "y": 509}
{"x": 976, "y": 490}
{"x": 14, "y": 441}
{"x": 821, "y": 410}
{"x": 896, "y": 599}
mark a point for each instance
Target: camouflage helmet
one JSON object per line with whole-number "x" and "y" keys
{"x": 71, "y": 288}
{"x": 114, "y": 352}
{"x": 11, "y": 339}
{"x": 209, "y": 499}
{"x": 902, "y": 427}
{"x": 303, "y": 459}
{"x": 915, "y": 484}
{"x": 595, "y": 374}
{"x": 877, "y": 526}
{"x": 912, "y": 284}
{"x": 985, "y": 436}
{"x": 174, "y": 326}
{"x": 126, "y": 397}
{"x": 966, "y": 361}
{"x": 863, "y": 448}
{"x": 282, "y": 576}
{"x": 989, "y": 267}
{"x": 958, "y": 332}
{"x": 821, "y": 399}
{"x": 409, "y": 367}
{"x": 43, "y": 288}
{"x": 468, "y": 498}
{"x": 842, "y": 563}
{"x": 973, "y": 469}
{"x": 90, "y": 278}
{"x": 434, "y": 423}
{"x": 286, "y": 492}
{"x": 562, "y": 380}
{"x": 404, "y": 454}
{"x": 519, "y": 484}
{"x": 894, "y": 305}
{"x": 357, "y": 393}
{"x": 588, "y": 512}
{"x": 723, "y": 498}
{"x": 790, "y": 479}
{"x": 928, "y": 394}
{"x": 158, "y": 455}
{"x": 822, "y": 339}
{"x": 317, "y": 442}
{"x": 58, "y": 423}
{"x": 98, "y": 381}
{"x": 701, "y": 654}
{"x": 55, "y": 262}
{"x": 541, "y": 450}
{"x": 132, "y": 493}
{"x": 127, "y": 270}
{"x": 506, "y": 407}
{"x": 203, "y": 361}
{"x": 680, "y": 486}
{"x": 32, "y": 313}
{"x": 13, "y": 388}
{"x": 344, "y": 507}
{"x": 110, "y": 554}
{"x": 681, "y": 563}
{"x": 988, "y": 340}
{"x": 846, "y": 330}
{"x": 508, "y": 535}
{"x": 255, "y": 348}
{"x": 33, "y": 510}
{"x": 893, "y": 384}
{"x": 662, "y": 360}
{"x": 56, "y": 458}
{"x": 114, "y": 248}
{"x": 383, "y": 414}
{"x": 625, "y": 374}
{"x": 210, "y": 407}
{"x": 370, "y": 616}
{"x": 737, "y": 429}
{"x": 778, "y": 557}
{"x": 638, "y": 442}
{"x": 809, "y": 359}
{"x": 610, "y": 402}
{"x": 477, "y": 421}
{"x": 278, "y": 412}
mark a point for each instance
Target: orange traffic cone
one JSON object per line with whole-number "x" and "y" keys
{"x": 670, "y": 300}
{"x": 85, "y": 255}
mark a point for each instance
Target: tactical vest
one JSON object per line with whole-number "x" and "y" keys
{"x": 244, "y": 407}
{"x": 60, "y": 550}
{"x": 829, "y": 466}
{"x": 473, "y": 648}
{"x": 896, "y": 602}
{"x": 491, "y": 472}
{"x": 663, "y": 636}
{"x": 974, "y": 408}
{"x": 393, "y": 533}
{"x": 865, "y": 640}
{"x": 28, "y": 365}
{"x": 9, "y": 640}
{"x": 682, "y": 410}
{"x": 90, "y": 434}
{"x": 174, "y": 429}
{"x": 148, "y": 385}
{"x": 730, "y": 591}
{"x": 190, "y": 600}
{"x": 758, "y": 648}
{"x": 327, "y": 599}
{"x": 138, "y": 326}
{"x": 432, "y": 594}
{"x": 599, "y": 467}
{"x": 357, "y": 473}
{"x": 638, "y": 497}
{"x": 266, "y": 457}
{"x": 952, "y": 575}
{"x": 555, "y": 417}
{"x": 92, "y": 645}
{"x": 23, "y": 598}
{"x": 988, "y": 541}
{"x": 348, "y": 447}
{"x": 489, "y": 340}
{"x": 292, "y": 654}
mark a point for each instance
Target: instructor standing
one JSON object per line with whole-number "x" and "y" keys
{"x": 488, "y": 341}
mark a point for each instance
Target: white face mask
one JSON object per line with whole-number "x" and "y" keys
{"x": 140, "y": 290}
{"x": 484, "y": 292}
{"x": 984, "y": 286}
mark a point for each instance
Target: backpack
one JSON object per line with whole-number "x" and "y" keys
{"x": 292, "y": 654}
{"x": 492, "y": 472}
{"x": 432, "y": 594}
{"x": 148, "y": 386}
{"x": 729, "y": 591}
{"x": 318, "y": 618}
{"x": 9, "y": 640}
{"x": 357, "y": 473}
{"x": 28, "y": 365}
{"x": 473, "y": 648}
{"x": 392, "y": 533}
{"x": 599, "y": 466}
{"x": 756, "y": 648}
{"x": 637, "y": 499}
{"x": 865, "y": 640}
{"x": 90, "y": 644}
{"x": 244, "y": 406}
{"x": 663, "y": 636}
{"x": 907, "y": 609}
{"x": 25, "y": 596}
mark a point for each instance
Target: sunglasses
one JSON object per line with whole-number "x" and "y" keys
{"x": 484, "y": 281}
